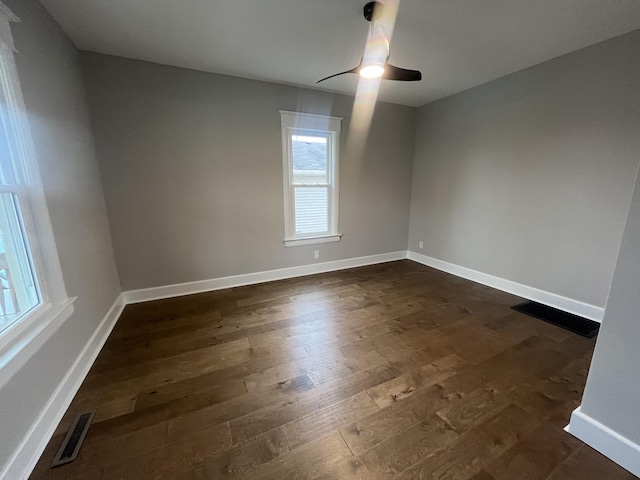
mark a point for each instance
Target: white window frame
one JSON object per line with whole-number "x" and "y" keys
{"x": 296, "y": 123}
{"x": 23, "y": 338}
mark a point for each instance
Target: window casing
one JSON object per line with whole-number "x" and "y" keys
{"x": 311, "y": 146}
{"x": 33, "y": 297}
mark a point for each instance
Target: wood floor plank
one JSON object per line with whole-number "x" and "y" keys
{"x": 350, "y": 468}
{"x": 587, "y": 464}
{"x": 173, "y": 345}
{"x": 195, "y": 330}
{"x": 145, "y": 326}
{"x": 536, "y": 456}
{"x": 257, "y": 363}
{"x": 182, "y": 367}
{"x": 174, "y": 459}
{"x": 193, "y": 420}
{"x": 321, "y": 373}
{"x": 298, "y": 406}
{"x": 365, "y": 433}
{"x": 320, "y": 369}
{"x": 315, "y": 425}
{"x": 461, "y": 460}
{"x": 183, "y": 407}
{"x": 217, "y": 392}
{"x": 408, "y": 360}
{"x": 482, "y": 403}
{"x": 408, "y": 447}
{"x": 476, "y": 448}
{"x": 304, "y": 463}
{"x": 393, "y": 370}
{"x": 188, "y": 364}
{"x": 242, "y": 458}
{"x": 405, "y": 385}
{"x": 482, "y": 475}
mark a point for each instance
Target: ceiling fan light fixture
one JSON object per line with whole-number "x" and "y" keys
{"x": 371, "y": 71}
{"x": 375, "y": 60}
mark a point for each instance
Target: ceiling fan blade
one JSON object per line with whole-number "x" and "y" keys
{"x": 396, "y": 73}
{"x": 353, "y": 70}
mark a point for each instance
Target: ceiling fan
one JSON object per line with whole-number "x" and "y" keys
{"x": 375, "y": 61}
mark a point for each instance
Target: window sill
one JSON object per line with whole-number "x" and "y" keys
{"x": 22, "y": 340}
{"x": 298, "y": 242}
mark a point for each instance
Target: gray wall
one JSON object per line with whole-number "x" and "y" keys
{"x": 612, "y": 394}
{"x": 49, "y": 71}
{"x": 529, "y": 177}
{"x": 192, "y": 172}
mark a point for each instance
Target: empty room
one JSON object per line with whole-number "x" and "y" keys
{"x": 316, "y": 240}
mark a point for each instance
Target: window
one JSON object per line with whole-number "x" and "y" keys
{"x": 310, "y": 145}
{"x": 19, "y": 289}
{"x": 33, "y": 299}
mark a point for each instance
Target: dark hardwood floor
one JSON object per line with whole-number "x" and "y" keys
{"x": 389, "y": 371}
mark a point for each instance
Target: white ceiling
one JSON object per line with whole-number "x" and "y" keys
{"x": 457, "y": 44}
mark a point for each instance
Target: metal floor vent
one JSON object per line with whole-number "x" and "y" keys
{"x": 569, "y": 321}
{"x": 73, "y": 441}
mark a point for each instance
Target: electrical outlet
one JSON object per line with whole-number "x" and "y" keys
{"x": 316, "y": 254}
{"x": 421, "y": 244}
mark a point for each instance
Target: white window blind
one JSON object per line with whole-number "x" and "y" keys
{"x": 311, "y": 210}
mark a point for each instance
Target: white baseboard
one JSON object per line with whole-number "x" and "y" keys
{"x": 27, "y": 454}
{"x": 547, "y": 298}
{"x": 168, "y": 291}
{"x": 608, "y": 442}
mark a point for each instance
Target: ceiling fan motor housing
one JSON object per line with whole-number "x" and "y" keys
{"x": 372, "y": 11}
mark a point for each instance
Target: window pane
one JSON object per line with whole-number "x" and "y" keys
{"x": 18, "y": 289}
{"x": 309, "y": 159}
{"x": 7, "y": 175}
{"x": 311, "y": 210}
